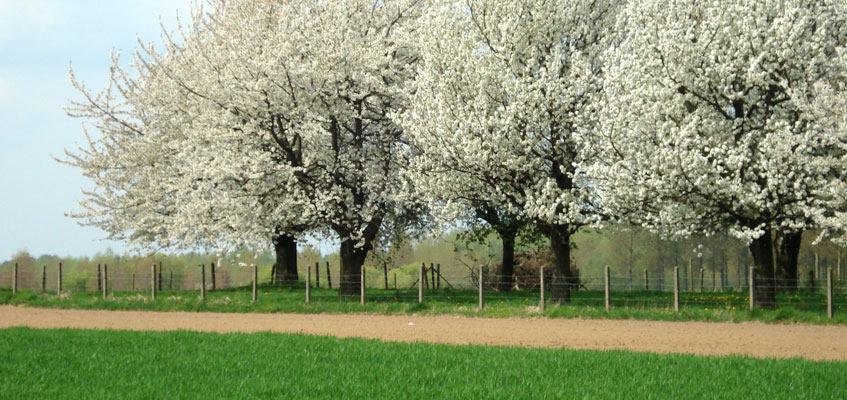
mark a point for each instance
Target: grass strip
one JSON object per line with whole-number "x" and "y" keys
{"x": 795, "y": 307}
{"x": 72, "y": 364}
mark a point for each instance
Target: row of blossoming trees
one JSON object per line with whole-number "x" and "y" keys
{"x": 262, "y": 121}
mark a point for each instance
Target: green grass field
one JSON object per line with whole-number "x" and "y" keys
{"x": 795, "y": 307}
{"x": 122, "y": 364}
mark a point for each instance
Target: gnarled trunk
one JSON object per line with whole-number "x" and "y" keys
{"x": 787, "y": 248}
{"x": 564, "y": 278}
{"x": 352, "y": 260}
{"x": 506, "y": 274}
{"x": 762, "y": 251}
{"x": 285, "y": 270}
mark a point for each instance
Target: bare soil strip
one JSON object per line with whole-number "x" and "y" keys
{"x": 703, "y": 338}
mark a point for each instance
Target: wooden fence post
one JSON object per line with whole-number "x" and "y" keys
{"x": 105, "y": 281}
{"x": 43, "y": 278}
{"x": 171, "y": 282}
{"x": 153, "y": 281}
{"x": 607, "y": 275}
{"x": 309, "y": 283}
{"x": 646, "y": 280}
{"x": 99, "y": 279}
{"x": 812, "y": 281}
{"x": 395, "y": 281}
{"x": 752, "y": 287}
{"x": 213, "y": 276}
{"x": 15, "y": 279}
{"x": 202, "y": 281}
{"x": 59, "y": 280}
{"x": 255, "y": 283}
{"x": 701, "y": 281}
{"x": 133, "y": 281}
{"x": 161, "y": 267}
{"x": 317, "y": 275}
{"x": 676, "y": 289}
{"x": 328, "y": 276}
{"x": 362, "y": 286}
{"x": 481, "y": 288}
{"x": 438, "y": 272}
{"x": 829, "y": 306}
{"x": 421, "y": 273}
{"x": 543, "y": 300}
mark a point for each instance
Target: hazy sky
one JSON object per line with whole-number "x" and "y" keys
{"x": 39, "y": 40}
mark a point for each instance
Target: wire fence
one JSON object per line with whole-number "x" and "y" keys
{"x": 647, "y": 289}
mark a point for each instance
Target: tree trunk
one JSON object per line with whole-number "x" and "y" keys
{"x": 506, "y": 275}
{"x": 787, "y": 247}
{"x": 285, "y": 270}
{"x": 564, "y": 277}
{"x": 762, "y": 251}
{"x": 352, "y": 260}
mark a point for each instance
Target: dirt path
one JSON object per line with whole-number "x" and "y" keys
{"x": 752, "y": 339}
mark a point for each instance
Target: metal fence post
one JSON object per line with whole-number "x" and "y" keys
{"x": 829, "y": 305}
{"x": 153, "y": 281}
{"x": 59, "y": 280}
{"x": 676, "y": 289}
{"x": 608, "y": 287}
{"x": 309, "y": 283}
{"x": 105, "y": 281}
{"x": 543, "y": 300}
{"x": 15, "y": 279}
{"x": 362, "y": 287}
{"x": 255, "y": 283}
{"x": 202, "y": 281}
{"x": 752, "y": 285}
{"x": 421, "y": 283}
{"x": 481, "y": 288}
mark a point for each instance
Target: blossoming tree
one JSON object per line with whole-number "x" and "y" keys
{"x": 702, "y": 135}
{"x": 500, "y": 105}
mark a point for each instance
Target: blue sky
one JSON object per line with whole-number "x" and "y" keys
{"x": 39, "y": 39}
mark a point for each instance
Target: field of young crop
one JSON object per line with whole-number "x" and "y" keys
{"x": 799, "y": 306}
{"x": 122, "y": 364}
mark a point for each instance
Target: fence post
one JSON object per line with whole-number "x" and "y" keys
{"x": 99, "y": 279}
{"x": 481, "y": 290}
{"x": 421, "y": 283}
{"x": 829, "y": 305}
{"x": 153, "y": 281}
{"x": 43, "y": 278}
{"x": 543, "y": 300}
{"x": 255, "y": 283}
{"x": 15, "y": 279}
{"x": 646, "y": 280}
{"x": 701, "y": 281}
{"x": 328, "y": 276}
{"x": 309, "y": 282}
{"x": 395, "y": 281}
{"x": 752, "y": 286}
{"x": 105, "y": 281}
{"x": 317, "y": 274}
{"x": 362, "y": 287}
{"x": 438, "y": 272}
{"x": 432, "y": 272}
{"x": 171, "y": 282}
{"x": 59, "y": 280}
{"x": 133, "y": 281}
{"x": 161, "y": 267}
{"x": 213, "y": 276}
{"x": 676, "y": 289}
{"x": 607, "y": 287}
{"x": 690, "y": 276}
{"x": 202, "y": 281}
{"x": 812, "y": 281}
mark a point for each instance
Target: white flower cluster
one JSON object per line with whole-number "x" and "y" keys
{"x": 342, "y": 116}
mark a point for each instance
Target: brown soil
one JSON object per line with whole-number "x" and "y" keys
{"x": 704, "y": 338}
